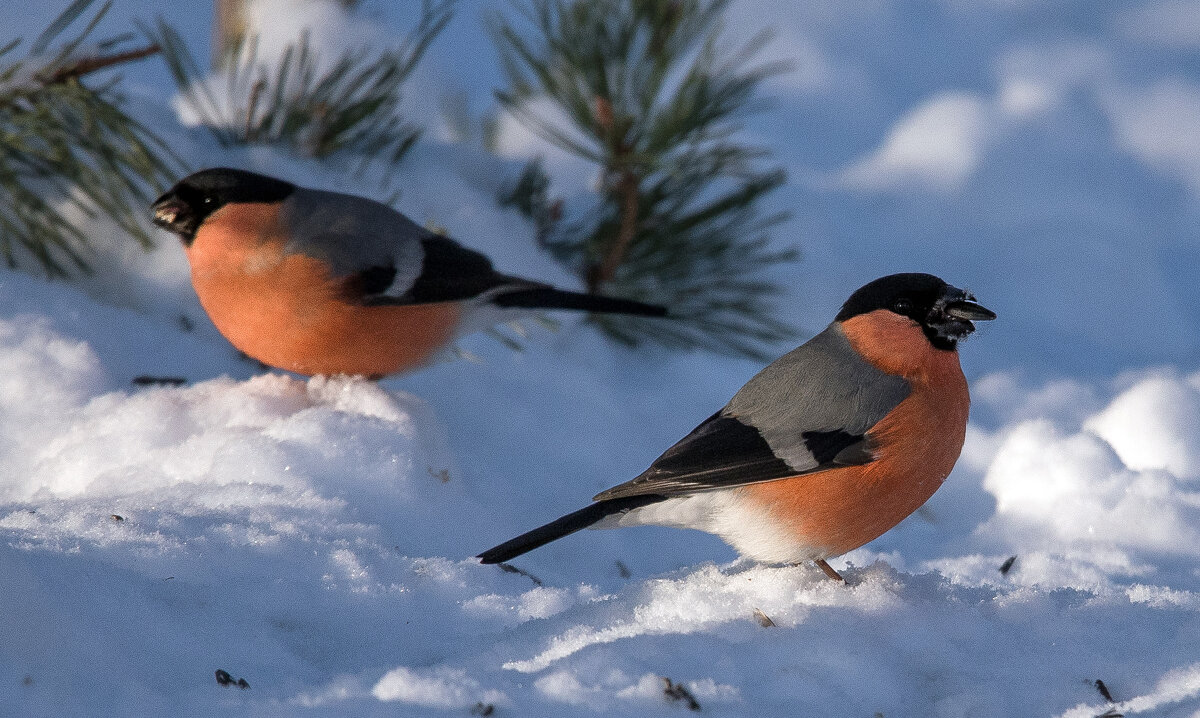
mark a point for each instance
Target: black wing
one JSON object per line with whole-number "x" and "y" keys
{"x": 452, "y": 272}
{"x": 381, "y": 257}
{"x": 723, "y": 451}
{"x": 809, "y": 411}
{"x": 449, "y": 272}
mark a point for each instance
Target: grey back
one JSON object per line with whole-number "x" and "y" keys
{"x": 821, "y": 386}
{"x": 810, "y": 410}
{"x": 353, "y": 234}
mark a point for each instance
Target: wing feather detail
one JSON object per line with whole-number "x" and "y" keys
{"x": 809, "y": 411}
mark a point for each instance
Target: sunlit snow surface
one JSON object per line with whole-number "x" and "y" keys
{"x": 312, "y": 537}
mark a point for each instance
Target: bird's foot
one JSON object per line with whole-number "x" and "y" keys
{"x": 829, "y": 571}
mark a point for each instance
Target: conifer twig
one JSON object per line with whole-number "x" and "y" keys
{"x": 627, "y": 192}
{"x": 642, "y": 89}
{"x": 66, "y": 148}
{"x": 349, "y": 108}
{"x": 89, "y": 65}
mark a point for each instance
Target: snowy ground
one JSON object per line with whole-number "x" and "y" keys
{"x": 312, "y": 537}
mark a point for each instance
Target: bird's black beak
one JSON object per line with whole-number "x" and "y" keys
{"x": 168, "y": 209}
{"x": 172, "y": 213}
{"x": 966, "y": 308}
{"x": 951, "y": 317}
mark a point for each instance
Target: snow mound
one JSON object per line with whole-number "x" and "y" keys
{"x": 1122, "y": 479}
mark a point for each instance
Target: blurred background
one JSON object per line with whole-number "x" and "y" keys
{"x": 1044, "y": 155}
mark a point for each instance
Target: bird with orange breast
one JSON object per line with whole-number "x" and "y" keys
{"x": 320, "y": 282}
{"x": 822, "y": 451}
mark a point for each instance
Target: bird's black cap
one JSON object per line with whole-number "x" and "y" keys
{"x": 944, "y": 312}
{"x": 184, "y": 207}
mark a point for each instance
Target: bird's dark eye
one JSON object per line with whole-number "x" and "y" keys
{"x": 208, "y": 200}
{"x": 902, "y": 306}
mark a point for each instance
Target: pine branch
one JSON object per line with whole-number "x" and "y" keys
{"x": 652, "y": 100}
{"x": 88, "y": 65}
{"x": 349, "y": 110}
{"x": 614, "y": 257}
{"x": 65, "y": 146}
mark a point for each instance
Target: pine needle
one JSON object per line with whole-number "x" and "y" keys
{"x": 654, "y": 103}
{"x": 65, "y": 145}
{"x": 349, "y": 109}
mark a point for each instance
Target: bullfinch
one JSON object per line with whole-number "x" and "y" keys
{"x": 326, "y": 283}
{"x": 822, "y": 451}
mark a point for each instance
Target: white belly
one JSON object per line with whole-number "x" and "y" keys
{"x": 746, "y": 527}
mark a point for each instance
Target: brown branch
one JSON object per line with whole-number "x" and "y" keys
{"x": 627, "y": 189}
{"x": 252, "y": 108}
{"x": 92, "y": 64}
{"x": 613, "y": 131}
{"x": 604, "y": 114}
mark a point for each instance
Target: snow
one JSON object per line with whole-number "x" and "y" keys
{"x": 1155, "y": 424}
{"x": 1167, "y": 23}
{"x": 1160, "y": 125}
{"x": 939, "y": 144}
{"x": 313, "y": 536}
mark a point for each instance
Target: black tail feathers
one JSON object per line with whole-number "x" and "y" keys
{"x": 568, "y": 524}
{"x": 550, "y": 298}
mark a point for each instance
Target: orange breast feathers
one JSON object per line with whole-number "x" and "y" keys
{"x": 916, "y": 446}
{"x": 287, "y": 311}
